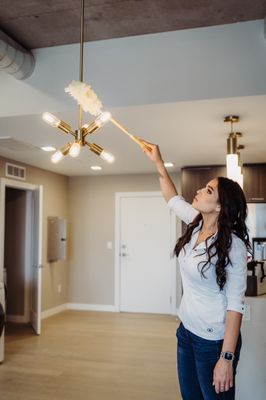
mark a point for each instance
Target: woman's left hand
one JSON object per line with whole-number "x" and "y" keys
{"x": 223, "y": 375}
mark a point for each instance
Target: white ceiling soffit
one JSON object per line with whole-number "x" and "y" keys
{"x": 8, "y": 143}
{"x": 189, "y": 133}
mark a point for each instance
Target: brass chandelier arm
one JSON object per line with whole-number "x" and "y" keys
{"x": 75, "y": 134}
{"x": 94, "y": 147}
{"x": 67, "y": 129}
{"x": 91, "y": 128}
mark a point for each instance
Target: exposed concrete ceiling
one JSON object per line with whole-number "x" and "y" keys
{"x": 38, "y": 23}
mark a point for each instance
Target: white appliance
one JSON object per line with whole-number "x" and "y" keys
{"x": 256, "y": 222}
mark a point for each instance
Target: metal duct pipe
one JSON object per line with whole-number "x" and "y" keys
{"x": 14, "y": 59}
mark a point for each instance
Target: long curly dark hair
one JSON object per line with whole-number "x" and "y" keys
{"x": 231, "y": 219}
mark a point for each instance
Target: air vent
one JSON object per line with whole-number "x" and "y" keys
{"x": 15, "y": 171}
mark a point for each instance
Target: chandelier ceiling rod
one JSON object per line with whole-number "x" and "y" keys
{"x": 81, "y": 55}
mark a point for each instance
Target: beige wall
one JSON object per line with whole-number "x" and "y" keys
{"x": 92, "y": 220}
{"x": 88, "y": 203}
{"x": 55, "y": 202}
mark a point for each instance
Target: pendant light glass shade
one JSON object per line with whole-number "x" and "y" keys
{"x": 231, "y": 165}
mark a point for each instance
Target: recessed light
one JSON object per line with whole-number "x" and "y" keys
{"x": 96, "y": 167}
{"x": 48, "y": 148}
{"x": 168, "y": 164}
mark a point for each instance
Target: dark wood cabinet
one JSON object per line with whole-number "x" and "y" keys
{"x": 255, "y": 182}
{"x": 194, "y": 178}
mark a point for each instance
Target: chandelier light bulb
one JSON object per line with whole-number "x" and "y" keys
{"x": 57, "y": 157}
{"x": 60, "y": 154}
{"x": 103, "y": 118}
{"x": 107, "y": 156}
{"x": 74, "y": 149}
{"x": 51, "y": 119}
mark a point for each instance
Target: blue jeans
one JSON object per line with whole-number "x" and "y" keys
{"x": 196, "y": 360}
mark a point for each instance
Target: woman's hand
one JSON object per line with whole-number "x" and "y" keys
{"x": 223, "y": 375}
{"x": 152, "y": 151}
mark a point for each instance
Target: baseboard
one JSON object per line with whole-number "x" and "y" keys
{"x": 53, "y": 311}
{"x": 76, "y": 306}
{"x": 18, "y": 319}
{"x": 91, "y": 307}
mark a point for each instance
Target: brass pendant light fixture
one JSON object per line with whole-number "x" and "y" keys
{"x": 233, "y": 164}
{"x": 89, "y": 102}
{"x": 73, "y": 148}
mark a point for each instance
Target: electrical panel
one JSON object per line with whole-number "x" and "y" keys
{"x": 57, "y": 239}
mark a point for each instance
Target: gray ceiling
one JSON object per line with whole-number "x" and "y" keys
{"x": 38, "y": 23}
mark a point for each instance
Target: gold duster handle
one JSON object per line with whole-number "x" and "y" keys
{"x": 136, "y": 139}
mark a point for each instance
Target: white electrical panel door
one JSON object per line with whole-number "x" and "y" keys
{"x": 57, "y": 240}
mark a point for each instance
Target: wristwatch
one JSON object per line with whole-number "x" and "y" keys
{"x": 227, "y": 355}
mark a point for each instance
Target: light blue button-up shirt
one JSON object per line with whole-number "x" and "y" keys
{"x": 203, "y": 305}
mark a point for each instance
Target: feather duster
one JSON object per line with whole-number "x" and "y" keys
{"x": 85, "y": 97}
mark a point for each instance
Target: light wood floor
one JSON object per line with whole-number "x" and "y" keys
{"x": 92, "y": 356}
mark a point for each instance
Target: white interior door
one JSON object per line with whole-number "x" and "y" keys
{"x": 145, "y": 255}
{"x": 35, "y": 300}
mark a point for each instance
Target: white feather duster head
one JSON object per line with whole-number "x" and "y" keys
{"x": 85, "y": 97}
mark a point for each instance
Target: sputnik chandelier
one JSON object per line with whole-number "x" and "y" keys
{"x": 89, "y": 102}
{"x": 233, "y": 163}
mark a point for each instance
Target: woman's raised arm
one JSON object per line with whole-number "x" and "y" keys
{"x": 167, "y": 186}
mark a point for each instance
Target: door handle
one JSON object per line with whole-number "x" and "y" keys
{"x": 124, "y": 254}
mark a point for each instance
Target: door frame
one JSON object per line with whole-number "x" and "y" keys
{"x": 118, "y": 197}
{"x": 29, "y": 188}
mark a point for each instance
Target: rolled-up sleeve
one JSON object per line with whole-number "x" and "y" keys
{"x": 236, "y": 282}
{"x": 182, "y": 209}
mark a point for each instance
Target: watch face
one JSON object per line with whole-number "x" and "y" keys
{"x": 228, "y": 356}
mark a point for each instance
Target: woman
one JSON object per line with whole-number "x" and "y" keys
{"x": 212, "y": 256}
